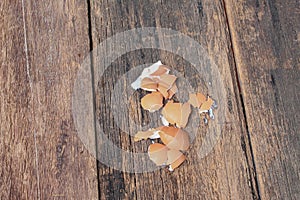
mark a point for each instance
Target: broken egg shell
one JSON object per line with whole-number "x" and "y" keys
{"x": 206, "y": 105}
{"x": 162, "y": 69}
{"x": 175, "y": 159}
{"x": 158, "y": 153}
{"x": 173, "y": 155}
{"x": 186, "y": 111}
{"x": 197, "y": 100}
{"x": 173, "y": 90}
{"x": 163, "y": 91}
{"x": 149, "y": 134}
{"x": 174, "y": 138}
{"x": 172, "y": 112}
{"x": 167, "y": 80}
{"x": 148, "y": 84}
{"x": 152, "y": 102}
{"x": 177, "y": 163}
{"x": 193, "y": 100}
{"x": 146, "y": 73}
{"x": 177, "y": 113}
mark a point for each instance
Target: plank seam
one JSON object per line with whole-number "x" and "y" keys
{"x": 31, "y": 91}
{"x": 90, "y": 34}
{"x": 256, "y": 186}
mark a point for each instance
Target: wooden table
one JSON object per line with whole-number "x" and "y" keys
{"x": 256, "y": 46}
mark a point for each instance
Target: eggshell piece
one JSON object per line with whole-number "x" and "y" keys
{"x": 172, "y": 112}
{"x": 152, "y": 102}
{"x": 158, "y": 153}
{"x": 146, "y": 73}
{"x": 163, "y": 90}
{"x": 173, "y": 90}
{"x": 168, "y": 133}
{"x": 167, "y": 80}
{"x": 149, "y": 134}
{"x": 177, "y": 113}
{"x": 162, "y": 69}
{"x": 186, "y": 111}
{"x": 206, "y": 105}
{"x": 175, "y": 159}
{"x": 174, "y": 138}
{"x": 197, "y": 100}
{"x": 148, "y": 84}
{"x": 193, "y": 100}
{"x": 173, "y": 155}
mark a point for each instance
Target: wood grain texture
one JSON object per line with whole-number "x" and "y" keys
{"x": 41, "y": 155}
{"x": 265, "y": 36}
{"x": 18, "y": 171}
{"x": 255, "y": 45}
{"x": 227, "y": 172}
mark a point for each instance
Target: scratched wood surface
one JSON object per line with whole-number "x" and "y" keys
{"x": 41, "y": 49}
{"x": 17, "y": 144}
{"x": 266, "y": 41}
{"x": 255, "y": 45}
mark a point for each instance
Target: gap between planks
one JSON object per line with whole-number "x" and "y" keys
{"x": 255, "y": 188}
{"x": 91, "y": 57}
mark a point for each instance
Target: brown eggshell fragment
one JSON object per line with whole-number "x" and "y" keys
{"x": 163, "y": 90}
{"x": 172, "y": 112}
{"x": 193, "y": 100}
{"x": 206, "y": 105}
{"x": 148, "y": 84}
{"x": 162, "y": 69}
{"x": 174, "y": 138}
{"x": 158, "y": 153}
{"x": 149, "y": 134}
{"x": 197, "y": 100}
{"x": 175, "y": 159}
{"x": 152, "y": 102}
{"x": 173, "y": 90}
{"x": 177, "y": 113}
{"x": 167, "y": 80}
{"x": 186, "y": 111}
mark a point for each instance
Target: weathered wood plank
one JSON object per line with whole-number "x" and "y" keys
{"x": 18, "y": 171}
{"x": 226, "y": 173}
{"x": 43, "y": 156}
{"x": 266, "y": 42}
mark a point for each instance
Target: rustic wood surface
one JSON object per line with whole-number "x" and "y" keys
{"x": 266, "y": 43}
{"x": 42, "y": 48}
{"x": 255, "y": 45}
{"x": 18, "y": 170}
